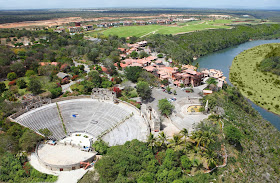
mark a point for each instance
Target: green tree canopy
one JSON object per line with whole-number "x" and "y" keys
{"x": 35, "y": 85}
{"x": 11, "y": 76}
{"x": 21, "y": 83}
{"x": 133, "y": 73}
{"x": 144, "y": 90}
{"x": 165, "y": 107}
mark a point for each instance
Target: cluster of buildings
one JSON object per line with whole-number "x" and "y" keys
{"x": 77, "y": 28}
{"x": 135, "y": 22}
{"x": 187, "y": 75}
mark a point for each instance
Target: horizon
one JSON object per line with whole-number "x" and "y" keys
{"x": 156, "y": 4}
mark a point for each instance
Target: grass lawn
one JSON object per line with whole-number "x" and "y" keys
{"x": 126, "y": 31}
{"x": 255, "y": 85}
{"x": 46, "y": 85}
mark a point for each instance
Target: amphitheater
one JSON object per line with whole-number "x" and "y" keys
{"x": 114, "y": 122}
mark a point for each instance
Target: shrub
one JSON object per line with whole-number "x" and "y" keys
{"x": 233, "y": 135}
{"x": 12, "y": 83}
{"x": 11, "y": 76}
{"x": 21, "y": 83}
{"x": 30, "y": 73}
{"x": 75, "y": 77}
{"x": 160, "y": 55}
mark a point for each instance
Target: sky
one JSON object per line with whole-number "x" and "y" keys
{"x": 50, "y": 4}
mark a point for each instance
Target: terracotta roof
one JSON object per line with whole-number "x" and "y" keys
{"x": 176, "y": 82}
{"x": 136, "y": 64}
{"x": 149, "y": 68}
{"x": 48, "y": 63}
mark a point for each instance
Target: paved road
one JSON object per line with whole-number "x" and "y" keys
{"x": 158, "y": 94}
{"x": 66, "y": 87}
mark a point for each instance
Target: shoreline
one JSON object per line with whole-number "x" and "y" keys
{"x": 231, "y": 77}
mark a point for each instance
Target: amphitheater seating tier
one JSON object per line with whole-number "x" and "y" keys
{"x": 86, "y": 115}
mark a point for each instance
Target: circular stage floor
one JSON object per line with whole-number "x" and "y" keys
{"x": 62, "y": 155}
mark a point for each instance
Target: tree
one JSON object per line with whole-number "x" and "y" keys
{"x": 11, "y": 76}
{"x": 143, "y": 54}
{"x": 56, "y": 92}
{"x": 28, "y": 140}
{"x": 151, "y": 141}
{"x": 165, "y": 107}
{"x": 186, "y": 162}
{"x": 160, "y": 55}
{"x": 133, "y": 73}
{"x": 46, "y": 132}
{"x": 144, "y": 90}
{"x": 149, "y": 78}
{"x": 185, "y": 133}
{"x": 30, "y": 73}
{"x": 176, "y": 142}
{"x": 95, "y": 78}
{"x": 233, "y": 135}
{"x": 2, "y": 87}
{"x": 18, "y": 68}
{"x": 93, "y": 55}
{"x": 212, "y": 81}
{"x": 100, "y": 146}
{"x": 134, "y": 54}
{"x": 210, "y": 155}
{"x": 34, "y": 85}
{"x": 21, "y": 83}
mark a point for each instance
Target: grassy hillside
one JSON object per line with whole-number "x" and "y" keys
{"x": 262, "y": 88}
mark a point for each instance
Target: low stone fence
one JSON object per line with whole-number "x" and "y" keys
{"x": 61, "y": 167}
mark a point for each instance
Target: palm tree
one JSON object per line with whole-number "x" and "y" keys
{"x": 210, "y": 155}
{"x": 176, "y": 142}
{"x": 185, "y": 133}
{"x": 151, "y": 141}
{"x": 202, "y": 138}
{"x": 161, "y": 140}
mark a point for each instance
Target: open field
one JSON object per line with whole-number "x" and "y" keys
{"x": 139, "y": 31}
{"x": 259, "y": 87}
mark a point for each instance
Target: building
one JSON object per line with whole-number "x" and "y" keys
{"x": 74, "y": 29}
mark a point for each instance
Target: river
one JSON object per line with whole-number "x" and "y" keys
{"x": 222, "y": 60}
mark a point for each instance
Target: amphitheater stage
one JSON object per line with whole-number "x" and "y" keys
{"x": 62, "y": 157}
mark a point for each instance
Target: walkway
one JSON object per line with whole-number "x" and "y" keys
{"x": 66, "y": 87}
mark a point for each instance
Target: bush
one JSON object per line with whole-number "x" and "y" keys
{"x": 11, "y": 76}
{"x": 56, "y": 92}
{"x": 165, "y": 107}
{"x": 12, "y": 82}
{"x": 100, "y": 146}
{"x": 75, "y": 77}
{"x": 233, "y": 135}
{"x": 160, "y": 55}
{"x": 30, "y": 73}
{"x": 21, "y": 83}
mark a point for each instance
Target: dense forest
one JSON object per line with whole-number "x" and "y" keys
{"x": 271, "y": 63}
{"x": 182, "y": 48}
{"x": 250, "y": 141}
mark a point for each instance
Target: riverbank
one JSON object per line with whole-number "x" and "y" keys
{"x": 222, "y": 60}
{"x": 255, "y": 85}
